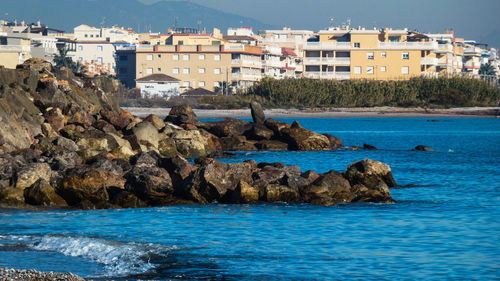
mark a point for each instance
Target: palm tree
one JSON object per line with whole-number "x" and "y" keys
{"x": 487, "y": 69}
{"x": 62, "y": 59}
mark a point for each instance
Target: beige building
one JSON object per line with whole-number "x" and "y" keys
{"x": 13, "y": 51}
{"x": 196, "y": 66}
{"x": 96, "y": 56}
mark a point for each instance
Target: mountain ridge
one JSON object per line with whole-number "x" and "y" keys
{"x": 157, "y": 17}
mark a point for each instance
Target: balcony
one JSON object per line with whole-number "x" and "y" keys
{"x": 443, "y": 61}
{"x": 245, "y": 76}
{"x": 409, "y": 45}
{"x": 429, "y": 61}
{"x": 15, "y": 48}
{"x": 444, "y": 48}
{"x": 327, "y": 60}
{"x": 328, "y": 75}
{"x": 327, "y": 46}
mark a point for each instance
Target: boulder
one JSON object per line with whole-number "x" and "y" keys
{"x": 370, "y": 173}
{"x": 41, "y": 193}
{"x": 228, "y": 127}
{"x": 246, "y": 193}
{"x": 124, "y": 149}
{"x": 302, "y": 139}
{"x": 151, "y": 184}
{"x": 237, "y": 143}
{"x": 422, "y": 148}
{"x": 281, "y": 193}
{"x": 61, "y": 160}
{"x": 377, "y": 194}
{"x": 147, "y": 136}
{"x": 181, "y": 114}
{"x": 87, "y": 187}
{"x": 335, "y": 142}
{"x": 369, "y": 147}
{"x": 179, "y": 169}
{"x": 35, "y": 64}
{"x": 55, "y": 118}
{"x": 156, "y": 121}
{"x": 259, "y": 132}
{"x": 276, "y": 126}
{"x": 125, "y": 199}
{"x": 167, "y": 147}
{"x": 191, "y": 144}
{"x": 257, "y": 111}
{"x": 119, "y": 120}
{"x": 327, "y": 189}
{"x": 66, "y": 143}
{"x": 48, "y": 131}
{"x": 12, "y": 197}
{"x": 271, "y": 145}
{"x": 77, "y": 115}
{"x": 31, "y": 173}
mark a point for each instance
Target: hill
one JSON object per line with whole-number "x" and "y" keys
{"x": 66, "y": 14}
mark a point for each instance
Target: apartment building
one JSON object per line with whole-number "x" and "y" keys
{"x": 279, "y": 62}
{"x": 195, "y": 66}
{"x": 13, "y": 51}
{"x": 110, "y": 34}
{"x": 97, "y": 56}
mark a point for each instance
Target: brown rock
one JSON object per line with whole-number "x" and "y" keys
{"x": 55, "y": 117}
{"x": 271, "y": 145}
{"x": 305, "y": 140}
{"x": 41, "y": 193}
{"x": 257, "y": 111}
{"x": 335, "y": 142}
{"x": 369, "y": 173}
{"x": 151, "y": 184}
{"x": 156, "y": 121}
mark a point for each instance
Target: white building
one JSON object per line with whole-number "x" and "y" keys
{"x": 158, "y": 85}
{"x": 96, "y": 56}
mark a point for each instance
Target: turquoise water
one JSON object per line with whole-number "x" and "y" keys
{"x": 446, "y": 227}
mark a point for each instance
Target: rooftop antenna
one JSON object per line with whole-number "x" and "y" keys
{"x": 331, "y": 21}
{"x": 175, "y": 22}
{"x": 348, "y": 22}
{"x": 103, "y": 22}
{"x": 199, "y": 26}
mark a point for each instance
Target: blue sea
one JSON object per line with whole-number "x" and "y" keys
{"x": 445, "y": 227}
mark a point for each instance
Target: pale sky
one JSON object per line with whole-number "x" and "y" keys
{"x": 474, "y": 19}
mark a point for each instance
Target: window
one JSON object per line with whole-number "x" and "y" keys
{"x": 405, "y": 70}
{"x": 406, "y": 56}
{"x": 216, "y": 84}
{"x": 201, "y": 84}
{"x": 369, "y": 70}
{"x": 80, "y": 58}
{"x": 149, "y": 71}
{"x": 383, "y": 69}
{"x": 357, "y": 70}
{"x": 80, "y": 48}
{"x": 383, "y": 54}
{"x": 123, "y": 58}
{"x": 216, "y": 57}
{"x": 91, "y": 35}
{"x": 217, "y": 71}
{"x": 159, "y": 69}
{"x": 86, "y": 35}
{"x": 185, "y": 57}
{"x": 201, "y": 70}
{"x": 357, "y": 45}
{"x": 185, "y": 70}
{"x": 185, "y": 84}
{"x": 175, "y": 57}
{"x": 99, "y": 48}
{"x": 149, "y": 57}
{"x": 175, "y": 71}
{"x": 202, "y": 57}
{"x": 159, "y": 56}
{"x": 99, "y": 59}
{"x": 370, "y": 55}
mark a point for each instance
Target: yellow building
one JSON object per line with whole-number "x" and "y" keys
{"x": 216, "y": 38}
{"x": 347, "y": 53}
{"x": 196, "y": 66}
{"x": 14, "y": 51}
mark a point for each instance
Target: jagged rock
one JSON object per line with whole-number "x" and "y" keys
{"x": 41, "y": 193}
{"x": 11, "y": 197}
{"x": 335, "y": 142}
{"x": 35, "y": 64}
{"x": 77, "y": 115}
{"x": 422, "y": 148}
{"x": 66, "y": 143}
{"x": 55, "y": 117}
{"x": 147, "y": 136}
{"x": 229, "y": 127}
{"x": 64, "y": 159}
{"x": 105, "y": 126}
{"x": 150, "y": 158}
{"x": 31, "y": 173}
{"x": 271, "y": 145}
{"x": 246, "y": 193}
{"x": 259, "y": 132}
{"x": 237, "y": 143}
{"x": 124, "y": 149}
{"x": 156, "y": 121}
{"x": 151, "y": 184}
{"x": 328, "y": 188}
{"x": 119, "y": 120}
{"x": 296, "y": 124}
{"x": 369, "y": 147}
{"x": 257, "y": 111}
{"x": 281, "y": 193}
{"x": 125, "y": 199}
{"x": 191, "y": 144}
{"x": 48, "y": 131}
{"x": 167, "y": 147}
{"x": 276, "y": 126}
{"x": 369, "y": 173}
{"x": 181, "y": 114}
{"x": 299, "y": 138}
{"x": 377, "y": 194}
{"x": 179, "y": 169}
{"x": 87, "y": 186}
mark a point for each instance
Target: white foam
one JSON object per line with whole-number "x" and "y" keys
{"x": 118, "y": 258}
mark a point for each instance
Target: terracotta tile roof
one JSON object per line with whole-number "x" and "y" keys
{"x": 288, "y": 52}
{"x": 157, "y": 78}
{"x": 198, "y": 92}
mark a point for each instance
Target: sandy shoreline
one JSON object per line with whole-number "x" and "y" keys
{"x": 384, "y": 112}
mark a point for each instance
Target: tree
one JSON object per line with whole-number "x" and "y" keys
{"x": 62, "y": 59}
{"x": 487, "y": 69}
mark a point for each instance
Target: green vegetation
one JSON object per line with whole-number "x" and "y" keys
{"x": 487, "y": 69}
{"x": 62, "y": 59}
{"x": 416, "y": 92}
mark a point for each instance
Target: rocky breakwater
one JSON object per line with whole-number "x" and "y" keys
{"x": 64, "y": 141}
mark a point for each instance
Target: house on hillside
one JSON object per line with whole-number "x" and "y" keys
{"x": 158, "y": 85}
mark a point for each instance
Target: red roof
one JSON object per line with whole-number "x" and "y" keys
{"x": 288, "y": 52}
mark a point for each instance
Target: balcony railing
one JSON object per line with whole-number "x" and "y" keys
{"x": 326, "y": 60}
{"x": 429, "y": 61}
{"x": 327, "y": 45}
{"x": 328, "y": 75}
{"x": 409, "y": 45}
{"x": 16, "y": 48}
